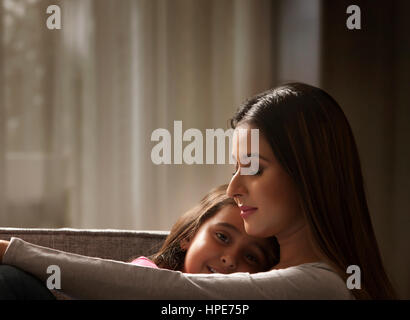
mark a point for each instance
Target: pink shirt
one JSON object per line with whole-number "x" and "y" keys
{"x": 144, "y": 262}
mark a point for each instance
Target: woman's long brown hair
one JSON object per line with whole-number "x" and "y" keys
{"x": 313, "y": 141}
{"x": 172, "y": 257}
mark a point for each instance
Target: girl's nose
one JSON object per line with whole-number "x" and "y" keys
{"x": 228, "y": 262}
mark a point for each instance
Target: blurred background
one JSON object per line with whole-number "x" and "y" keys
{"x": 78, "y": 105}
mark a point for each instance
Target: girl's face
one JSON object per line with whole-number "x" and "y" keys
{"x": 268, "y": 200}
{"x": 221, "y": 245}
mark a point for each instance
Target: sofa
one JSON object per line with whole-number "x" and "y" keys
{"x": 120, "y": 245}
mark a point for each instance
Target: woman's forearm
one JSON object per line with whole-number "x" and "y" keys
{"x": 93, "y": 278}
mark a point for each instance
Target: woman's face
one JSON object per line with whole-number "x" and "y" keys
{"x": 221, "y": 245}
{"x": 268, "y": 200}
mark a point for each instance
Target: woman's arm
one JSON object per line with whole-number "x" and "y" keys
{"x": 93, "y": 278}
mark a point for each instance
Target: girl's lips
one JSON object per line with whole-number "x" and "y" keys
{"x": 247, "y": 211}
{"x": 212, "y": 270}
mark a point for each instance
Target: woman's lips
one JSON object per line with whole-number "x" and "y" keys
{"x": 247, "y": 211}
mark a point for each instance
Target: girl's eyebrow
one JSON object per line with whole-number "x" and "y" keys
{"x": 228, "y": 225}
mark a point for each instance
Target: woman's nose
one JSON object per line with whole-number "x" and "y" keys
{"x": 236, "y": 188}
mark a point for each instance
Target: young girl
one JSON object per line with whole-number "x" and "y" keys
{"x": 210, "y": 238}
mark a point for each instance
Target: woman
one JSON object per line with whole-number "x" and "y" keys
{"x": 309, "y": 189}
{"x": 308, "y": 192}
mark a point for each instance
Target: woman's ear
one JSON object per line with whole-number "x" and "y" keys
{"x": 185, "y": 243}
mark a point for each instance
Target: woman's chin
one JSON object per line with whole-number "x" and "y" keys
{"x": 257, "y": 231}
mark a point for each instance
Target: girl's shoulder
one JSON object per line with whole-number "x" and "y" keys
{"x": 144, "y": 262}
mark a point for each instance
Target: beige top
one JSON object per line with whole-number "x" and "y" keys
{"x": 93, "y": 278}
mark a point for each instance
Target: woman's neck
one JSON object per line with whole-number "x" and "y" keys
{"x": 296, "y": 248}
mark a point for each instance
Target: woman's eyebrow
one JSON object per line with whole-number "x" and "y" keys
{"x": 251, "y": 155}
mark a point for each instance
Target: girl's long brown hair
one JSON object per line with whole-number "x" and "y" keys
{"x": 313, "y": 141}
{"x": 172, "y": 257}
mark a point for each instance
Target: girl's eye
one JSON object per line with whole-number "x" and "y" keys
{"x": 252, "y": 258}
{"x": 222, "y": 237}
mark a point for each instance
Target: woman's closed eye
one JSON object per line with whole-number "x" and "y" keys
{"x": 258, "y": 173}
{"x": 260, "y": 170}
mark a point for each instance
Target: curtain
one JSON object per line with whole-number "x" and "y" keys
{"x": 31, "y": 170}
{"x": 81, "y": 104}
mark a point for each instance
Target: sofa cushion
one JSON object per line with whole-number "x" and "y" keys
{"x": 121, "y": 245}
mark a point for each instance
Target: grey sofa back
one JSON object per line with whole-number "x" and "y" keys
{"x": 120, "y": 245}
